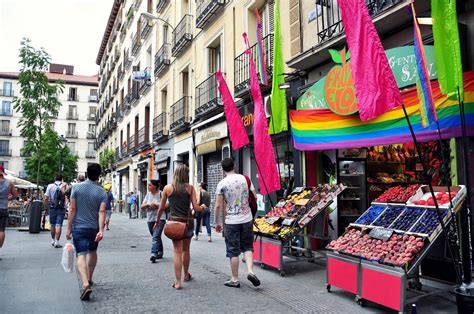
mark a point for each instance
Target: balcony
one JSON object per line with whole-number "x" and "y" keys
{"x": 145, "y": 85}
{"x": 136, "y": 4}
{"x": 72, "y": 116}
{"x": 126, "y": 60}
{"x": 6, "y": 112}
{"x": 71, "y": 134}
{"x": 146, "y": 26}
{"x": 117, "y": 55}
{"x": 6, "y": 92}
{"x": 136, "y": 45}
{"x": 90, "y": 135}
{"x": 132, "y": 148}
{"x": 386, "y": 15}
{"x": 127, "y": 104}
{"x": 161, "y": 5}
{"x": 182, "y": 35}
{"x": 135, "y": 95}
{"x": 124, "y": 150}
{"x": 5, "y": 151}
{"x": 121, "y": 71}
{"x": 160, "y": 132}
{"x": 207, "y": 11}
{"x": 91, "y": 116}
{"x": 120, "y": 115}
{"x": 93, "y": 98}
{"x": 118, "y": 155}
{"x": 208, "y": 98}
{"x": 90, "y": 153}
{"x": 242, "y": 66}
{"x": 144, "y": 137}
{"x": 113, "y": 122}
{"x": 73, "y": 98}
{"x": 6, "y": 132}
{"x": 162, "y": 59}
{"x": 180, "y": 117}
{"x": 123, "y": 33}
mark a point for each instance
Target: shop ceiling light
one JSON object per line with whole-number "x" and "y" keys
{"x": 285, "y": 86}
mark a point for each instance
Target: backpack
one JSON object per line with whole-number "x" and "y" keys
{"x": 252, "y": 200}
{"x": 58, "y": 201}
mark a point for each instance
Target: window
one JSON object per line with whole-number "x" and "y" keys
{"x": 149, "y": 7}
{"x": 165, "y": 34}
{"x": 4, "y": 163}
{"x": 72, "y": 112}
{"x": 7, "y": 89}
{"x": 214, "y": 56}
{"x": 4, "y": 146}
{"x": 71, "y": 128}
{"x": 93, "y": 92}
{"x": 5, "y": 127}
{"x": 92, "y": 128}
{"x": 73, "y": 94}
{"x": 6, "y": 108}
{"x": 72, "y": 147}
{"x": 185, "y": 83}
{"x": 90, "y": 146}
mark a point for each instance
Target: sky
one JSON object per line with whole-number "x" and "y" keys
{"x": 70, "y": 30}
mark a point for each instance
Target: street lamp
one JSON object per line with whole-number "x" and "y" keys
{"x": 150, "y": 16}
{"x": 62, "y": 145}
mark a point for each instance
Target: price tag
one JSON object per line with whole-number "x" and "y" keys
{"x": 297, "y": 190}
{"x": 281, "y": 204}
{"x": 381, "y": 233}
{"x": 272, "y": 220}
{"x": 288, "y": 221}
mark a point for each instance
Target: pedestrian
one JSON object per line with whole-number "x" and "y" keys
{"x": 181, "y": 196}
{"x": 151, "y": 203}
{"x": 109, "y": 205}
{"x": 205, "y": 216}
{"x": 232, "y": 194}
{"x": 55, "y": 205}
{"x": 132, "y": 203}
{"x": 86, "y": 224}
{"x": 6, "y": 187}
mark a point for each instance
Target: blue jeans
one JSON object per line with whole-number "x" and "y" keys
{"x": 156, "y": 242}
{"x": 84, "y": 240}
{"x": 205, "y": 221}
{"x": 56, "y": 217}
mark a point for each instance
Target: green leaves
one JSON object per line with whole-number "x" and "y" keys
{"x": 107, "y": 158}
{"x": 336, "y": 55}
{"x": 38, "y": 101}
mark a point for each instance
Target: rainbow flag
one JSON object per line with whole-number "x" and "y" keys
{"x": 322, "y": 129}
{"x": 425, "y": 94}
{"x": 261, "y": 54}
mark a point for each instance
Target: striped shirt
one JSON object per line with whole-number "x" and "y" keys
{"x": 89, "y": 196}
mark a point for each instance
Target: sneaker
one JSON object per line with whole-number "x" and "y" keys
{"x": 53, "y": 242}
{"x": 253, "y": 279}
{"x": 153, "y": 258}
{"x": 231, "y": 283}
{"x": 57, "y": 245}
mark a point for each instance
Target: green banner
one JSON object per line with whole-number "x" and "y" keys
{"x": 403, "y": 63}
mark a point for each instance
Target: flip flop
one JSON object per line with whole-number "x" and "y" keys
{"x": 85, "y": 293}
{"x": 179, "y": 288}
{"x": 189, "y": 277}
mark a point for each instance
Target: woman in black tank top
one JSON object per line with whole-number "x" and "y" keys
{"x": 181, "y": 196}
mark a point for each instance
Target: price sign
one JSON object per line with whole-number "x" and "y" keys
{"x": 288, "y": 221}
{"x": 272, "y": 220}
{"x": 381, "y": 234}
{"x": 297, "y": 190}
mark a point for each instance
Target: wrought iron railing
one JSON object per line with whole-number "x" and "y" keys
{"x": 182, "y": 35}
{"x": 207, "y": 11}
{"x": 242, "y": 64}
{"x": 136, "y": 44}
{"x": 6, "y": 92}
{"x": 144, "y": 136}
{"x": 5, "y": 151}
{"x": 146, "y": 26}
{"x": 90, "y": 154}
{"x": 180, "y": 116}
{"x": 72, "y": 115}
{"x": 71, "y": 134}
{"x": 161, "y": 5}
{"x": 162, "y": 59}
{"x": 207, "y": 97}
{"x": 6, "y": 112}
{"x": 5, "y": 131}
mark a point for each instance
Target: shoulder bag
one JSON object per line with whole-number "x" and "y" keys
{"x": 252, "y": 199}
{"x": 175, "y": 229}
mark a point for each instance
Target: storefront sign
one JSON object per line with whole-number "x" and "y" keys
{"x": 161, "y": 156}
{"x": 402, "y": 62}
{"x": 208, "y": 147}
{"x": 212, "y": 133}
{"x": 246, "y": 114}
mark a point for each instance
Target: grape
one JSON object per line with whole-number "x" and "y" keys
{"x": 370, "y": 215}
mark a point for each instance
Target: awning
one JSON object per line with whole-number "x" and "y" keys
{"x": 322, "y": 129}
{"x": 209, "y": 147}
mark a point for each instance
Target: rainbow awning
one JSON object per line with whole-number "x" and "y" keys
{"x": 322, "y": 129}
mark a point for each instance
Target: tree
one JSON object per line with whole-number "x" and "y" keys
{"x": 50, "y": 155}
{"x": 38, "y": 101}
{"x": 107, "y": 158}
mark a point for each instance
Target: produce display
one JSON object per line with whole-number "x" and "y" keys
{"x": 407, "y": 218}
{"x": 388, "y": 217}
{"x": 389, "y": 153}
{"x": 398, "y": 194}
{"x": 287, "y": 232}
{"x": 261, "y": 225}
{"x": 441, "y": 197}
{"x": 398, "y": 250}
{"x": 370, "y": 215}
{"x": 429, "y": 222}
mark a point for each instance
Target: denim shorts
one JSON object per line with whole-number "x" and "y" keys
{"x": 84, "y": 240}
{"x": 56, "y": 217}
{"x": 238, "y": 238}
{"x": 3, "y": 218}
{"x": 108, "y": 213}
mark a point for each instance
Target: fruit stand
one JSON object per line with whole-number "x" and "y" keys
{"x": 382, "y": 250}
{"x": 275, "y": 231}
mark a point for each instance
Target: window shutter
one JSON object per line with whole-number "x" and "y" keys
{"x": 271, "y": 16}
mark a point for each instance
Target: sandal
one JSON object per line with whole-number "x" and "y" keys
{"x": 174, "y": 286}
{"x": 85, "y": 293}
{"x": 188, "y": 277}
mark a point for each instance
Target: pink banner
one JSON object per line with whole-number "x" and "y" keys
{"x": 238, "y": 135}
{"x": 268, "y": 178}
{"x": 376, "y": 88}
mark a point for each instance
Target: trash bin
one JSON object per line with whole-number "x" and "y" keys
{"x": 464, "y": 300}
{"x": 35, "y": 216}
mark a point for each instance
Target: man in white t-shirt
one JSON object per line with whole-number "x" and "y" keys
{"x": 232, "y": 193}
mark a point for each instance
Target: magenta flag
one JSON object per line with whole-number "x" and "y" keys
{"x": 376, "y": 88}
{"x": 238, "y": 135}
{"x": 268, "y": 178}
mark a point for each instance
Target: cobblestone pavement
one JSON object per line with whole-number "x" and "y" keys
{"x": 126, "y": 282}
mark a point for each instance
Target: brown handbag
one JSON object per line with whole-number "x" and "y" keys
{"x": 176, "y": 230}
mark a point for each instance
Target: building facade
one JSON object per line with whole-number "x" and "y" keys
{"x": 75, "y": 120}
{"x": 182, "y": 113}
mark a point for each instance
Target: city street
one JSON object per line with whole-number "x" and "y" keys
{"x": 32, "y": 280}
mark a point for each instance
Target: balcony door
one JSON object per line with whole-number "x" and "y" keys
{"x": 72, "y": 147}
{"x": 5, "y": 127}
{"x": 6, "y": 108}
{"x": 7, "y": 89}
